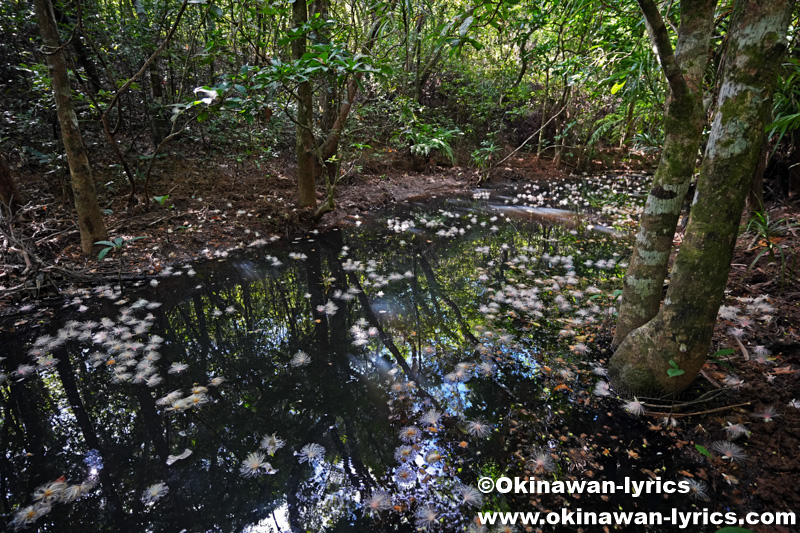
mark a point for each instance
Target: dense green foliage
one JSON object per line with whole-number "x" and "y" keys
{"x": 434, "y": 78}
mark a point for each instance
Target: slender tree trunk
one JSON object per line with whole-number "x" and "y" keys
{"x": 158, "y": 122}
{"x": 523, "y": 57}
{"x": 755, "y": 199}
{"x": 306, "y": 184}
{"x": 682, "y": 329}
{"x": 417, "y": 57}
{"x": 542, "y": 111}
{"x": 560, "y": 124}
{"x": 81, "y": 54}
{"x": 330, "y": 100}
{"x": 683, "y": 127}
{"x": 627, "y": 125}
{"x": 90, "y": 218}
{"x": 9, "y": 194}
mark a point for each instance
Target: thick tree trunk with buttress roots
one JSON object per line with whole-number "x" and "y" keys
{"x": 90, "y": 218}
{"x": 682, "y": 329}
{"x": 683, "y": 127}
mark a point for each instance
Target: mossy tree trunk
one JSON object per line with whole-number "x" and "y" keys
{"x": 682, "y": 329}
{"x": 683, "y": 127}
{"x": 306, "y": 184}
{"x": 90, "y": 218}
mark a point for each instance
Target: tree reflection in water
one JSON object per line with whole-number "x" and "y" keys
{"x": 416, "y": 347}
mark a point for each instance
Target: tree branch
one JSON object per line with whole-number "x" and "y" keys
{"x": 660, "y": 39}
{"x": 125, "y": 86}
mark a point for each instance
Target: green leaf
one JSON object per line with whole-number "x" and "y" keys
{"x": 103, "y": 253}
{"x": 618, "y": 86}
{"x": 105, "y": 243}
{"x": 732, "y": 529}
{"x": 217, "y": 11}
{"x": 703, "y": 450}
{"x": 674, "y": 371}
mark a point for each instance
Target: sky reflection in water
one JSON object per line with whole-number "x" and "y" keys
{"x": 347, "y": 347}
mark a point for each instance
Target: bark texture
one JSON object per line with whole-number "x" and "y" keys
{"x": 90, "y": 218}
{"x": 682, "y": 329}
{"x": 683, "y": 127}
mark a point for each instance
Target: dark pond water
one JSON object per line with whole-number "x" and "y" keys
{"x": 359, "y": 380}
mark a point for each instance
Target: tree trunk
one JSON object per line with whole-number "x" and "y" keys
{"x": 627, "y": 126}
{"x": 90, "y": 218}
{"x": 755, "y": 199}
{"x": 682, "y": 329}
{"x": 81, "y": 54}
{"x": 561, "y": 125}
{"x": 306, "y": 184}
{"x": 542, "y": 111}
{"x": 159, "y": 123}
{"x": 683, "y": 127}
{"x": 329, "y": 102}
{"x": 9, "y": 194}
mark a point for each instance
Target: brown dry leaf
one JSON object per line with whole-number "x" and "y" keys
{"x": 649, "y": 473}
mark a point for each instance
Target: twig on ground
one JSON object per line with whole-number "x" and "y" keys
{"x": 696, "y": 413}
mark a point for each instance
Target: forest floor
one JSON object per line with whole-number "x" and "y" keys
{"x": 216, "y": 206}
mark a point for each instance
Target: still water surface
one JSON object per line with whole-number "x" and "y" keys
{"x": 358, "y": 380}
